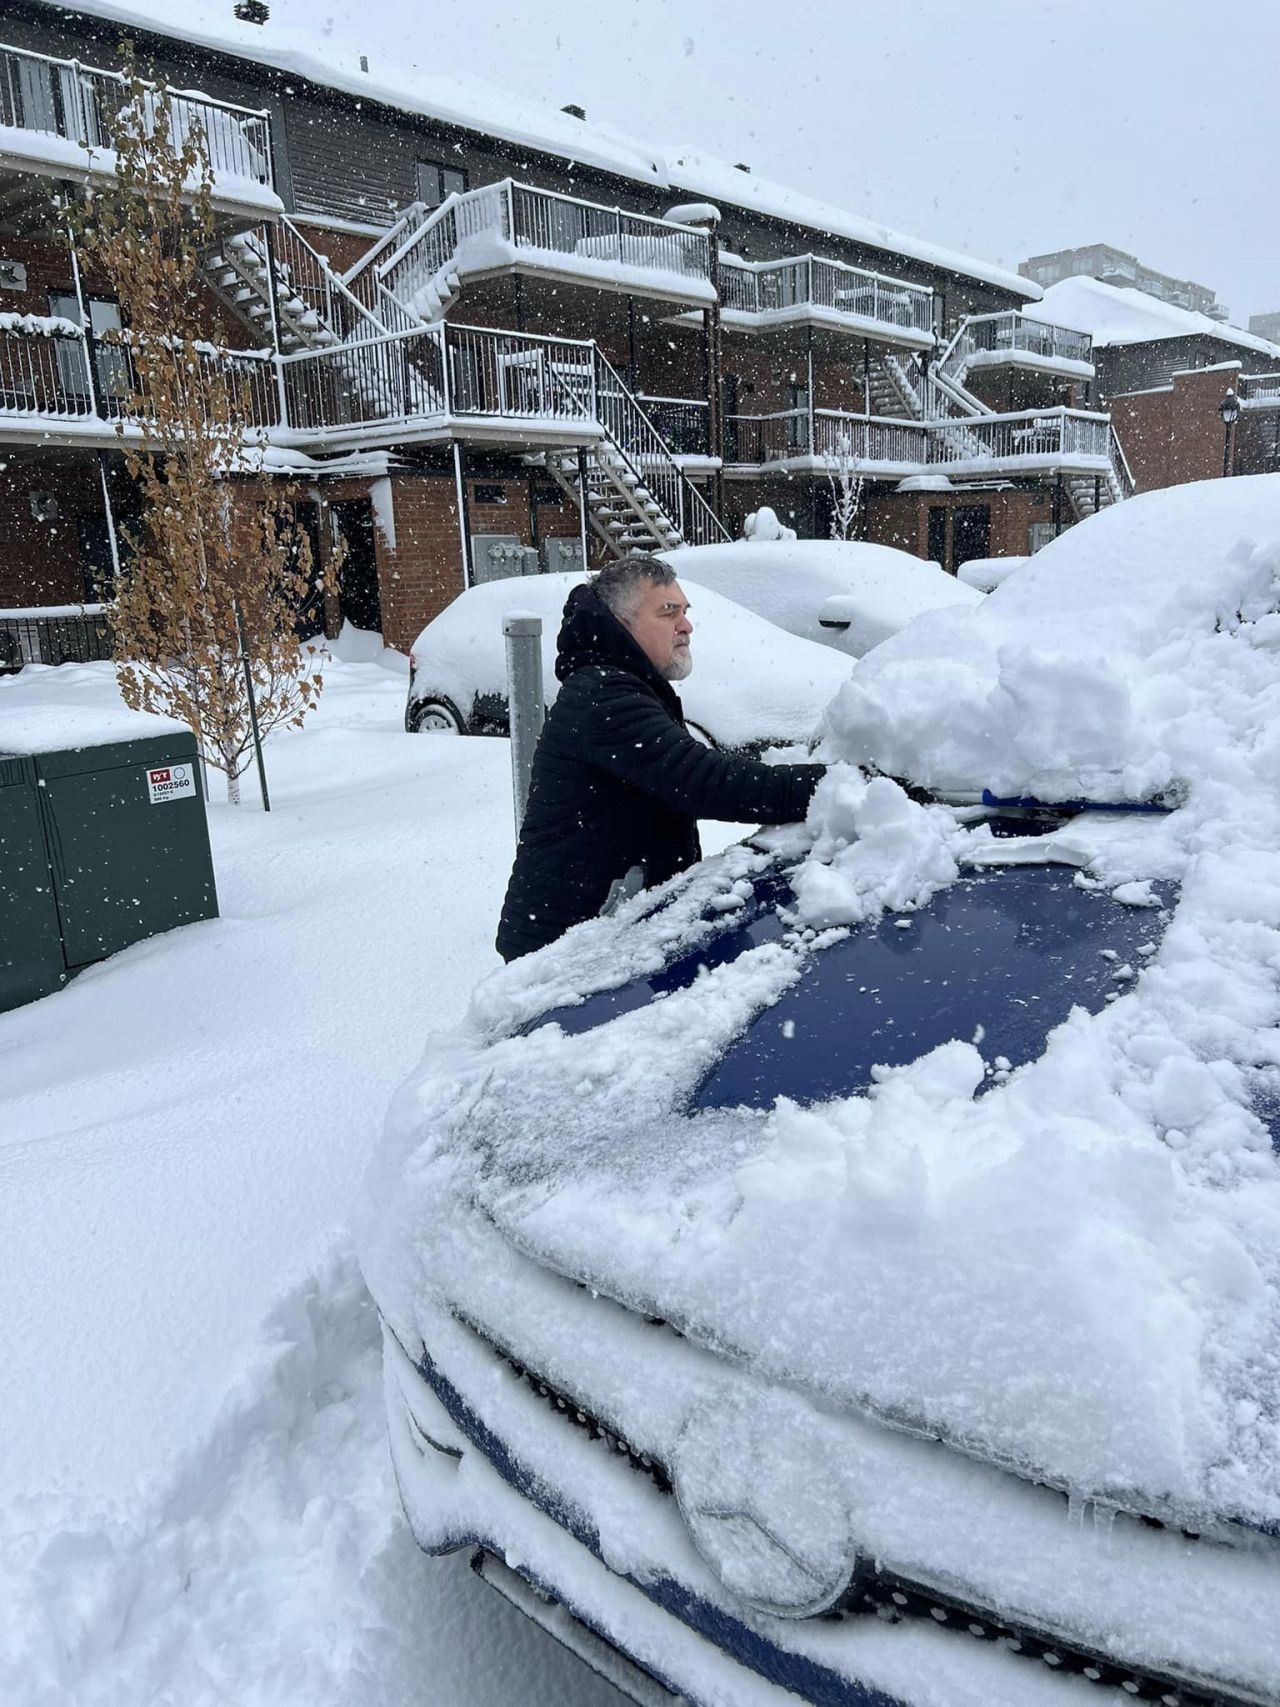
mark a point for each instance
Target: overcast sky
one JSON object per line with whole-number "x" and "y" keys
{"x": 1001, "y": 129}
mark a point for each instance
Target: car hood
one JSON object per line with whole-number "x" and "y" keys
{"x": 969, "y": 1211}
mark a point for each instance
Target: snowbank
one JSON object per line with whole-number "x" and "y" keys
{"x": 869, "y": 591}
{"x": 986, "y": 573}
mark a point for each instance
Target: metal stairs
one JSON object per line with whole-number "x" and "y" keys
{"x": 637, "y": 497}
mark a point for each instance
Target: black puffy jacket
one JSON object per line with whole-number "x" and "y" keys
{"x": 618, "y": 782}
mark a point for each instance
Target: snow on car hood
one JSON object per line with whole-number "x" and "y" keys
{"x": 1076, "y": 1271}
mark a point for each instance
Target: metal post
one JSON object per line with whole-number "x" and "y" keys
{"x": 86, "y": 326}
{"x": 715, "y": 371}
{"x": 253, "y": 707}
{"x": 111, "y": 521}
{"x": 582, "y": 501}
{"x": 269, "y": 254}
{"x": 523, "y": 635}
{"x": 464, "y": 529}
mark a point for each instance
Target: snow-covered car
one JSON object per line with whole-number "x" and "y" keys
{"x": 848, "y": 594}
{"x": 751, "y": 687}
{"x": 985, "y": 574}
{"x": 851, "y": 1273}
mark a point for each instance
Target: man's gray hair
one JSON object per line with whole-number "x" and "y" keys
{"x": 620, "y": 585}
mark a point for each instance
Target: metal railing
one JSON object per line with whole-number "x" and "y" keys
{"x": 445, "y": 370}
{"x": 633, "y": 436}
{"x": 84, "y": 104}
{"x": 1258, "y": 388}
{"x": 682, "y": 421}
{"x": 1059, "y": 434}
{"x": 869, "y": 441}
{"x": 61, "y": 635}
{"x": 813, "y": 281}
{"x": 44, "y": 371}
{"x": 540, "y": 222}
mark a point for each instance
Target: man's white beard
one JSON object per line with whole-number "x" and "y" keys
{"x": 680, "y": 666}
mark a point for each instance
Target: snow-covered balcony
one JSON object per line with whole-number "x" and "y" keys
{"x": 1259, "y": 390}
{"x": 512, "y": 228}
{"x": 61, "y": 387}
{"x": 1031, "y": 442}
{"x": 56, "y": 120}
{"x": 800, "y": 440}
{"x": 1013, "y": 340}
{"x": 809, "y": 290}
{"x": 435, "y": 383}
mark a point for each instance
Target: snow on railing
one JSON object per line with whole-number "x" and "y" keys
{"x": 82, "y": 103}
{"x": 813, "y": 281}
{"x": 520, "y": 217}
{"x": 1058, "y": 434}
{"x": 43, "y": 372}
{"x": 1012, "y": 333}
{"x": 1258, "y": 388}
{"x": 1068, "y": 435}
{"x": 53, "y": 634}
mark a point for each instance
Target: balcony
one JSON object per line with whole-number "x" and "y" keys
{"x": 56, "y": 120}
{"x": 1259, "y": 390}
{"x": 1031, "y": 442}
{"x": 808, "y": 290}
{"x": 61, "y": 387}
{"x": 1012, "y": 340}
{"x": 508, "y": 228}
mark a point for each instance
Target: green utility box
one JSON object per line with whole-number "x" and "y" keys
{"x": 114, "y": 838}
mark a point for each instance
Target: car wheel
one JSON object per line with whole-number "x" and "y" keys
{"x": 700, "y": 735}
{"x": 434, "y": 717}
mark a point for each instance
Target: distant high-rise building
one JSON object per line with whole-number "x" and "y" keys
{"x": 1115, "y": 267}
{"x": 1266, "y": 326}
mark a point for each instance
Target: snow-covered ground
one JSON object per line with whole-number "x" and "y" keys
{"x": 196, "y": 1503}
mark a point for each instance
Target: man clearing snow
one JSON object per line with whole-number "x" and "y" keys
{"x": 618, "y": 782}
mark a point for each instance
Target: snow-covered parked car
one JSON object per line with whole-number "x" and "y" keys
{"x": 848, "y": 594}
{"x": 851, "y": 1273}
{"x": 751, "y": 687}
{"x": 985, "y": 574}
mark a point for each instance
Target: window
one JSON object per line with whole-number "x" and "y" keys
{"x": 435, "y": 181}
{"x": 111, "y": 362}
{"x": 798, "y": 418}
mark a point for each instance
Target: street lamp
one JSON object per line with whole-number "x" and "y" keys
{"x": 1229, "y": 410}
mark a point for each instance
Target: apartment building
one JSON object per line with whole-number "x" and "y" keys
{"x": 482, "y": 334}
{"x": 1117, "y": 267}
{"x": 1190, "y": 398}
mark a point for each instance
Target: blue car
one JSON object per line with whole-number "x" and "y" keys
{"x": 705, "y": 1501}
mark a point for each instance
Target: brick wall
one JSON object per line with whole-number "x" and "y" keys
{"x": 1174, "y": 435}
{"x": 40, "y": 561}
{"x": 901, "y": 519}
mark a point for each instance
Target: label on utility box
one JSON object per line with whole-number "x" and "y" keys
{"x": 171, "y": 782}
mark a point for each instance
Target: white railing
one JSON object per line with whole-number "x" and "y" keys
{"x": 535, "y": 223}
{"x": 634, "y": 437}
{"x": 987, "y": 339}
{"x": 1033, "y": 434}
{"x": 84, "y": 104}
{"x": 813, "y": 281}
{"x": 44, "y": 370}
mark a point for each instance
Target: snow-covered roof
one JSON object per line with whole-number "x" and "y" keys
{"x": 1120, "y": 314}
{"x": 474, "y": 104}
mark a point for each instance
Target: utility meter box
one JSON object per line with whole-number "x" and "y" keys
{"x": 31, "y": 962}
{"x": 125, "y": 849}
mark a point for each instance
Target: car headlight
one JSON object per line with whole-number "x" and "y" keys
{"x": 760, "y": 1488}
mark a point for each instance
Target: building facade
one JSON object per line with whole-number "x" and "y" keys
{"x": 482, "y": 348}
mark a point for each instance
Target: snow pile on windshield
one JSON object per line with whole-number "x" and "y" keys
{"x": 1072, "y": 1267}
{"x": 1126, "y": 659}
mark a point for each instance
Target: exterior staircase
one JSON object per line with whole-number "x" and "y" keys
{"x": 314, "y": 306}
{"x": 637, "y": 496}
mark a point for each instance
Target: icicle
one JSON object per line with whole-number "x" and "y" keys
{"x": 1104, "y": 1518}
{"x": 1075, "y": 1510}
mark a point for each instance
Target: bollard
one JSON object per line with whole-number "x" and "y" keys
{"x": 524, "y": 698}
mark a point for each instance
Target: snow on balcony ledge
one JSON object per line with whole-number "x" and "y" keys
{"x": 1037, "y": 360}
{"x": 485, "y": 251}
{"x": 45, "y": 152}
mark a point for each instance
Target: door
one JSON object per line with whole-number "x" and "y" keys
{"x": 971, "y": 533}
{"x": 110, "y": 362}
{"x": 310, "y": 618}
{"x": 938, "y": 534}
{"x": 358, "y": 601}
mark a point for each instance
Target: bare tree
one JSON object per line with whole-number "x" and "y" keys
{"x": 846, "y": 488}
{"x": 217, "y": 537}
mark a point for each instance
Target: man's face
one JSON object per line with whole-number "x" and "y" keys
{"x": 660, "y": 627}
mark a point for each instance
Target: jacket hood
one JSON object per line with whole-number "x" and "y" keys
{"x": 591, "y": 634}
